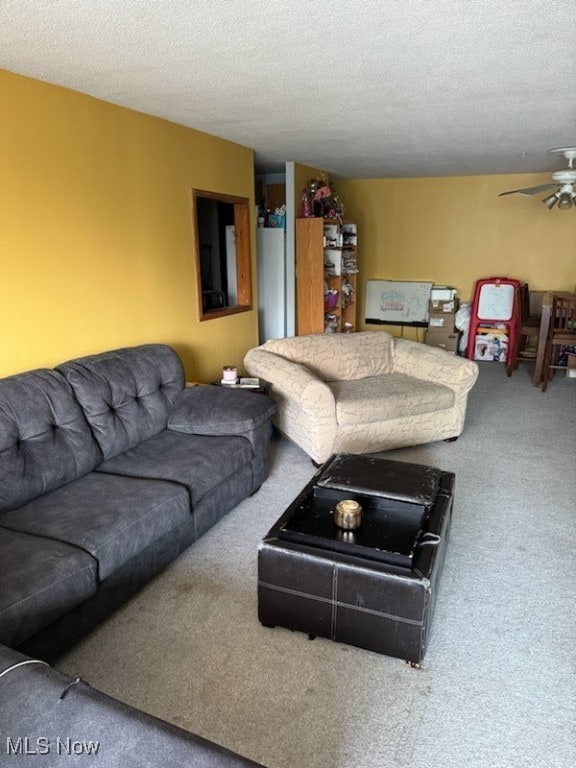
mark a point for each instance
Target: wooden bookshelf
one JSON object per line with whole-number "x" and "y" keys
{"x": 325, "y": 276}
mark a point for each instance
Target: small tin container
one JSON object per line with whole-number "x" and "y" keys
{"x": 348, "y": 514}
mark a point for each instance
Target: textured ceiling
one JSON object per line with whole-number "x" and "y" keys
{"x": 362, "y": 88}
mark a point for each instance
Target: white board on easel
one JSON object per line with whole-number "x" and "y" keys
{"x": 403, "y": 302}
{"x": 496, "y": 301}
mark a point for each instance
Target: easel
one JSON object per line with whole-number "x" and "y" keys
{"x": 495, "y": 304}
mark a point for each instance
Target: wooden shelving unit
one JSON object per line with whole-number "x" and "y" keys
{"x": 325, "y": 276}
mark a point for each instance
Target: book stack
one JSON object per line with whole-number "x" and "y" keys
{"x": 244, "y": 382}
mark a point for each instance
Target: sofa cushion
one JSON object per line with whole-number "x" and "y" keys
{"x": 338, "y": 356}
{"x": 393, "y": 396}
{"x": 127, "y": 393}
{"x": 219, "y": 411}
{"x": 197, "y": 462}
{"x": 45, "y": 440}
{"x": 40, "y": 579}
{"x": 112, "y": 518}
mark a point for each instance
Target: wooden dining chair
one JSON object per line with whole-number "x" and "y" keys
{"x": 526, "y": 340}
{"x": 562, "y": 333}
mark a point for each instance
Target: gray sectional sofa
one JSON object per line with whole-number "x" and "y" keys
{"x": 109, "y": 468}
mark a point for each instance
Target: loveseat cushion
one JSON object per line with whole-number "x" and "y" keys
{"x": 109, "y": 517}
{"x": 338, "y": 356}
{"x": 40, "y": 579}
{"x": 127, "y": 393}
{"x": 199, "y": 463}
{"x": 45, "y": 440}
{"x": 393, "y": 396}
{"x": 219, "y": 411}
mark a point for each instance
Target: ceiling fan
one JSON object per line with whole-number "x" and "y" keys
{"x": 564, "y": 181}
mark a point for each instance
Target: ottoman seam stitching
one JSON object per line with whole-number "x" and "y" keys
{"x": 334, "y": 601}
{"x": 341, "y": 603}
{"x": 295, "y": 592}
{"x": 374, "y": 612}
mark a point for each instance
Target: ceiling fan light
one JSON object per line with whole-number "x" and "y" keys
{"x": 550, "y": 201}
{"x": 565, "y": 201}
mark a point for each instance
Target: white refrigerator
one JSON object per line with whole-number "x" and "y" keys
{"x": 273, "y": 303}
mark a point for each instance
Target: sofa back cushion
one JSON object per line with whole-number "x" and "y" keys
{"x": 126, "y": 394}
{"x": 339, "y": 356}
{"x": 45, "y": 440}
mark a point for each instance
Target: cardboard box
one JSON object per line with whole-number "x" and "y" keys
{"x": 442, "y": 293}
{"x": 442, "y": 332}
{"x": 440, "y": 306}
{"x": 442, "y": 338}
{"x": 444, "y": 320}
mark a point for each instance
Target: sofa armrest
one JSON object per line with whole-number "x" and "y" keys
{"x": 291, "y": 382}
{"x": 219, "y": 411}
{"x": 434, "y": 364}
{"x": 59, "y": 716}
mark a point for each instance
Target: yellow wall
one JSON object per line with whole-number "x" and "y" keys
{"x": 96, "y": 241}
{"x": 455, "y": 230}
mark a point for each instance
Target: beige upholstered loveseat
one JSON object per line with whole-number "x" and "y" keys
{"x": 363, "y": 392}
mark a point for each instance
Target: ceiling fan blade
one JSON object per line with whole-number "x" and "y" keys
{"x": 529, "y": 190}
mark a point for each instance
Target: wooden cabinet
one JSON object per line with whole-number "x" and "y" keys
{"x": 325, "y": 276}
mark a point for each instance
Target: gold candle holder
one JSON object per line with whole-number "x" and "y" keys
{"x": 348, "y": 514}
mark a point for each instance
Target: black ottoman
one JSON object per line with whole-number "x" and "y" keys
{"x": 374, "y": 587}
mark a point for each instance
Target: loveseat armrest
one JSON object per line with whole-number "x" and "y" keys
{"x": 306, "y": 404}
{"x": 216, "y": 410}
{"x": 291, "y": 381}
{"x": 434, "y": 364}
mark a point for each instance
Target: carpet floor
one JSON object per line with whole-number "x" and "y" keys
{"x": 497, "y": 686}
